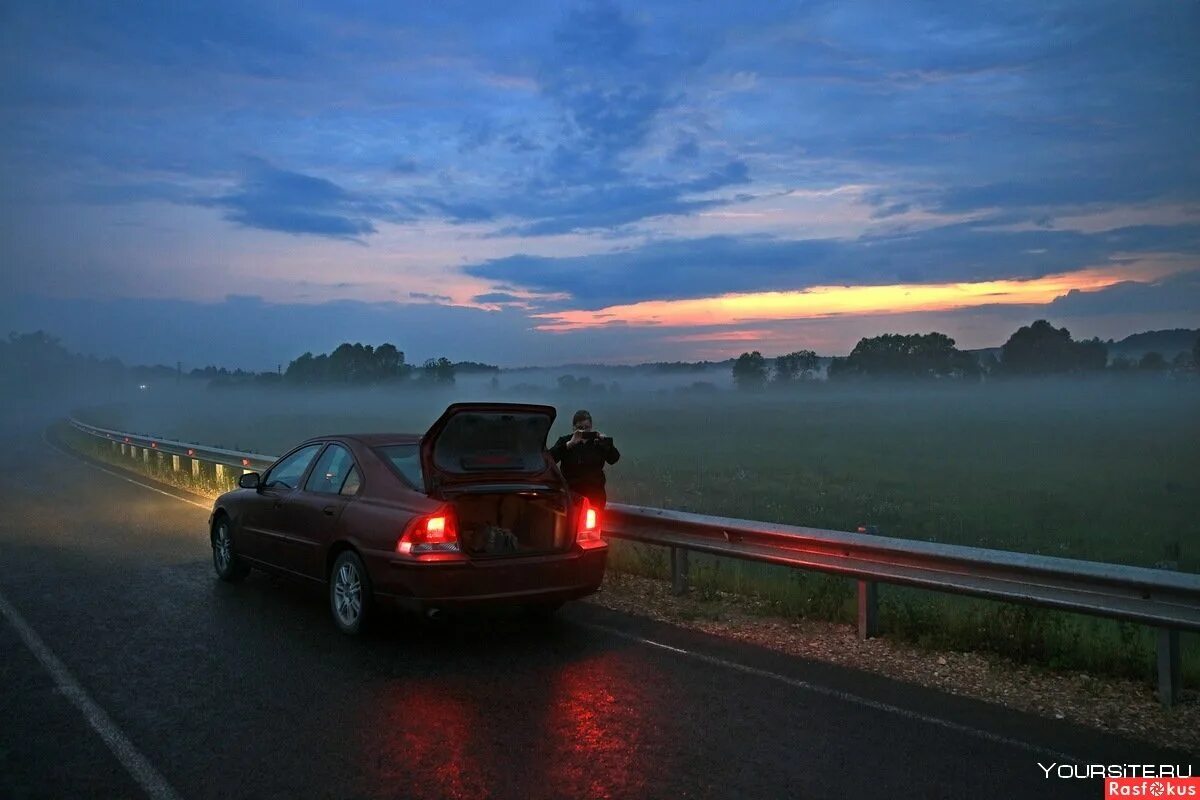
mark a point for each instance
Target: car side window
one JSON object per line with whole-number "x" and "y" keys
{"x": 288, "y": 472}
{"x": 331, "y": 471}
{"x": 406, "y": 460}
{"x": 353, "y": 483}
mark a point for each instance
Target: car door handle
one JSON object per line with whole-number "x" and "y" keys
{"x": 328, "y": 511}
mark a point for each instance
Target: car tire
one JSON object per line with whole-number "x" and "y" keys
{"x": 350, "y": 599}
{"x": 228, "y": 565}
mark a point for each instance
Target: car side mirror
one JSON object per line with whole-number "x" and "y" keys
{"x": 249, "y": 480}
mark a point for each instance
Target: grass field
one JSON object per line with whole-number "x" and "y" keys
{"x": 1103, "y": 471}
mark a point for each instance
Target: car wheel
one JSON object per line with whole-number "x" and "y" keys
{"x": 350, "y": 593}
{"x": 226, "y": 562}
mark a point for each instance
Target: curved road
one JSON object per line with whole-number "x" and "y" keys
{"x": 129, "y": 671}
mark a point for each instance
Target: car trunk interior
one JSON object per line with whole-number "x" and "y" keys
{"x": 512, "y": 523}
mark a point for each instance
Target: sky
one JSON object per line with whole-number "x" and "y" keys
{"x": 541, "y": 183}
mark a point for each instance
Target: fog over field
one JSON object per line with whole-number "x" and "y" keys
{"x": 1100, "y": 468}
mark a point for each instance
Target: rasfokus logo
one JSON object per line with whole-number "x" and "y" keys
{"x": 1151, "y": 787}
{"x": 1132, "y": 780}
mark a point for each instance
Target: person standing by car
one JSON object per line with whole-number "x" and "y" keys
{"x": 582, "y": 455}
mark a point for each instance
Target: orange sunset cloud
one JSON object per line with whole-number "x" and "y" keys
{"x": 830, "y": 301}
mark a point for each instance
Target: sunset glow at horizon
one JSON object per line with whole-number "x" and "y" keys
{"x": 830, "y": 301}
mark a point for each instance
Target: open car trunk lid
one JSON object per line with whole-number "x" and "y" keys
{"x": 481, "y": 443}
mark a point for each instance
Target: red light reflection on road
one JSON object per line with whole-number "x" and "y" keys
{"x": 425, "y": 753}
{"x": 574, "y": 730}
{"x": 597, "y": 723}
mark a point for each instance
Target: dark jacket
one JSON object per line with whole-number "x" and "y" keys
{"x": 583, "y": 464}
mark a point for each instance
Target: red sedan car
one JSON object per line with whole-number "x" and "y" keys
{"x": 475, "y": 511}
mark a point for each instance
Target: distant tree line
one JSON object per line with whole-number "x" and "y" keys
{"x": 367, "y": 365}
{"x": 40, "y": 360}
{"x": 1034, "y": 350}
{"x": 928, "y": 355}
{"x": 1039, "y": 349}
{"x": 752, "y": 370}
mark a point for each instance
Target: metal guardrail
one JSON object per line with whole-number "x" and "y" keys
{"x": 199, "y": 453}
{"x": 1165, "y": 599}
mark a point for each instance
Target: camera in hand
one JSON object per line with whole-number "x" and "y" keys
{"x": 589, "y": 436}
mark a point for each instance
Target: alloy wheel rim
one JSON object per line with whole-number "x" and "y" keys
{"x": 222, "y": 551}
{"x": 347, "y": 594}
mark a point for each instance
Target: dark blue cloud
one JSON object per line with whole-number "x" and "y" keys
{"x": 686, "y": 150}
{"x": 497, "y": 298}
{"x": 279, "y": 200}
{"x": 1177, "y": 294}
{"x": 607, "y": 86}
{"x": 618, "y": 202}
{"x": 715, "y": 265}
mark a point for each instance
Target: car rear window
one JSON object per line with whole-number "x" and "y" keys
{"x": 488, "y": 441}
{"x": 406, "y": 461}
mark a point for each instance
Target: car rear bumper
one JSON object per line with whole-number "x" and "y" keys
{"x": 451, "y": 584}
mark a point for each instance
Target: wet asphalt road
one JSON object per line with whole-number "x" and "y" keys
{"x": 248, "y": 691}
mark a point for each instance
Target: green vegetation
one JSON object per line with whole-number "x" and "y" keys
{"x": 1042, "y": 349}
{"x": 365, "y": 364}
{"x": 750, "y": 371}
{"x": 792, "y": 367}
{"x": 913, "y": 356}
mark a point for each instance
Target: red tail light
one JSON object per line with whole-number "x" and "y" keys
{"x": 431, "y": 533}
{"x": 588, "y": 533}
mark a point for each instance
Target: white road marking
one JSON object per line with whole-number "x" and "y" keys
{"x": 827, "y": 691}
{"x": 138, "y": 766}
{"x": 848, "y": 697}
{"x": 122, "y": 477}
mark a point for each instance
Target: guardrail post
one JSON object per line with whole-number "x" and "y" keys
{"x": 146, "y": 454}
{"x": 195, "y": 468}
{"x": 133, "y": 451}
{"x": 114, "y": 445}
{"x": 219, "y": 469}
{"x": 123, "y": 446}
{"x": 176, "y": 463}
{"x": 679, "y": 570}
{"x": 868, "y": 609}
{"x": 1169, "y": 666}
